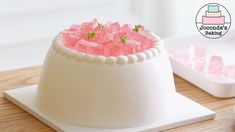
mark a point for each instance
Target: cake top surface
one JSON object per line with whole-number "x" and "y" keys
{"x": 110, "y": 39}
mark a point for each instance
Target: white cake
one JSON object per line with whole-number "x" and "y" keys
{"x": 98, "y": 91}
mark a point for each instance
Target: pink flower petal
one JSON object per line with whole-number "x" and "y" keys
{"x": 115, "y": 27}
{"x": 70, "y": 39}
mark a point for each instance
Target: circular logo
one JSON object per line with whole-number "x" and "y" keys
{"x": 213, "y": 20}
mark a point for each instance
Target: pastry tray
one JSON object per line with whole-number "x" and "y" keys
{"x": 224, "y": 47}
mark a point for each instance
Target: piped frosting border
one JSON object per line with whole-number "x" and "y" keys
{"x": 60, "y": 48}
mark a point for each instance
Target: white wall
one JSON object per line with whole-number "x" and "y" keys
{"x": 29, "y": 20}
{"x": 27, "y": 27}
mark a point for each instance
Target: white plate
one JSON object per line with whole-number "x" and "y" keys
{"x": 183, "y": 111}
{"x": 224, "y": 47}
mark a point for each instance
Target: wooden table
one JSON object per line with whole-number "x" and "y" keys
{"x": 12, "y": 118}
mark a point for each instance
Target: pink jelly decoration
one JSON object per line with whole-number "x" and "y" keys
{"x": 197, "y": 51}
{"x": 214, "y": 66}
{"x": 229, "y": 71}
{"x": 199, "y": 65}
{"x": 89, "y": 47}
{"x": 106, "y": 39}
{"x": 115, "y": 27}
{"x": 180, "y": 57}
{"x": 70, "y": 38}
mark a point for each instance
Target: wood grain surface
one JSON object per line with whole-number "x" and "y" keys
{"x": 14, "y": 119}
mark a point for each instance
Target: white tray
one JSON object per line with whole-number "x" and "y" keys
{"x": 183, "y": 111}
{"x": 224, "y": 47}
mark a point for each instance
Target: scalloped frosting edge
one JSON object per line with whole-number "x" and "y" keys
{"x": 60, "y": 48}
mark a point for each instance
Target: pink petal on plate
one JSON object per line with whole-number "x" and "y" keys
{"x": 126, "y": 28}
{"x": 101, "y": 37}
{"x": 107, "y": 48}
{"x": 75, "y": 28}
{"x": 146, "y": 43}
{"x": 89, "y": 47}
{"x": 115, "y": 27}
{"x": 94, "y": 50}
{"x": 94, "y": 22}
{"x": 134, "y": 46}
{"x": 144, "y": 33}
{"x": 108, "y": 24}
{"x": 107, "y": 51}
{"x": 180, "y": 57}
{"x": 199, "y": 65}
{"x": 80, "y": 47}
{"x": 197, "y": 51}
{"x": 70, "y": 39}
{"x": 116, "y": 49}
{"x": 229, "y": 71}
{"x": 214, "y": 66}
{"x": 128, "y": 49}
{"x": 87, "y": 27}
{"x": 87, "y": 43}
{"x": 118, "y": 35}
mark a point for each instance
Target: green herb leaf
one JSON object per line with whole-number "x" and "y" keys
{"x": 91, "y": 35}
{"x": 100, "y": 25}
{"x": 137, "y": 27}
{"x": 123, "y": 39}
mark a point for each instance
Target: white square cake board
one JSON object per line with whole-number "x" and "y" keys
{"x": 183, "y": 111}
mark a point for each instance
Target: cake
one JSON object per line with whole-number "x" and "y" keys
{"x": 213, "y": 16}
{"x": 107, "y": 76}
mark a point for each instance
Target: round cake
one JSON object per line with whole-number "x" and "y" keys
{"x": 106, "y": 75}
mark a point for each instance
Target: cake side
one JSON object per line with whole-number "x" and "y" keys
{"x": 105, "y": 95}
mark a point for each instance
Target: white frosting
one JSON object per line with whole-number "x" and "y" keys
{"x": 141, "y": 57}
{"x": 132, "y": 59}
{"x": 121, "y": 60}
{"x": 148, "y": 54}
{"x": 99, "y": 59}
{"x": 98, "y": 91}
{"x": 154, "y": 51}
{"x": 80, "y": 56}
{"x": 89, "y": 57}
{"x": 110, "y": 60}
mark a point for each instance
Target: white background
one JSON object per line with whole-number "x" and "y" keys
{"x": 27, "y": 27}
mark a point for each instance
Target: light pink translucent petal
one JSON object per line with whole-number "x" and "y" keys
{"x": 229, "y": 71}
{"x": 115, "y": 27}
{"x": 215, "y": 65}
{"x": 199, "y": 65}
{"x": 197, "y": 51}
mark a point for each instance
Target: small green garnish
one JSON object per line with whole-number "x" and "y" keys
{"x": 90, "y": 35}
{"x": 137, "y": 27}
{"x": 123, "y": 39}
{"x": 100, "y": 25}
